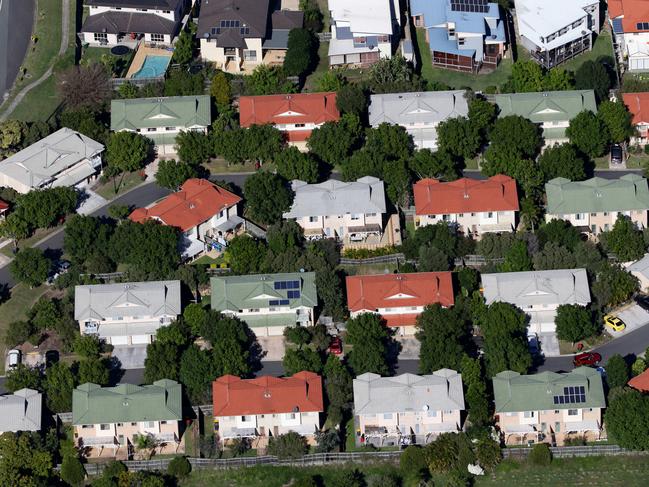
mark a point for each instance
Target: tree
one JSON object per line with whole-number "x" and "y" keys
{"x": 331, "y": 80}
{"x": 518, "y": 134}
{"x": 72, "y": 471}
{"x": 146, "y": 444}
{"x": 392, "y": 75}
{"x": 194, "y": 147}
{"x": 560, "y": 232}
{"x": 553, "y": 256}
{"x": 128, "y": 91}
{"x": 557, "y": 79}
{"x": 288, "y": 445}
{"x": 439, "y": 165}
{"x": 625, "y": 240}
{"x": 301, "y": 53}
{"x": 59, "y": 384}
{"x": 338, "y": 387}
{"x": 617, "y": 372}
{"x": 432, "y": 259}
{"x": 298, "y": 335}
{"x": 350, "y": 98}
{"x": 23, "y": 377}
{"x": 588, "y": 133}
{"x": 527, "y": 76}
{"x": 562, "y": 161}
{"x": 263, "y": 142}
{"x": 197, "y": 371}
{"x": 459, "y": 137}
{"x": 476, "y": 390}
{"x": 185, "y": 45}
{"x": 541, "y": 455}
{"x": 482, "y": 115}
{"x": 127, "y": 151}
{"x": 94, "y": 370}
{"x": 179, "y": 467}
{"x": 369, "y": 339}
{"x": 85, "y": 121}
{"x": 613, "y": 285}
{"x": 172, "y": 174}
{"x": 233, "y": 345}
{"x": 85, "y": 236}
{"x": 574, "y": 323}
{"x": 245, "y": 254}
{"x": 24, "y": 461}
{"x": 161, "y": 362}
{"x": 617, "y": 119}
{"x": 267, "y": 197}
{"x": 30, "y": 266}
{"x": 293, "y": 164}
{"x": 517, "y": 258}
{"x": 267, "y": 80}
{"x": 18, "y": 333}
{"x": 181, "y": 82}
{"x": 626, "y": 419}
{"x": 443, "y": 336}
{"x": 389, "y": 142}
{"x": 333, "y": 142}
{"x": 12, "y": 134}
{"x": 45, "y": 314}
{"x": 220, "y": 89}
{"x": 327, "y": 441}
{"x": 84, "y": 86}
{"x": 295, "y": 361}
{"x": 592, "y": 75}
{"x": 87, "y": 346}
{"x": 117, "y": 212}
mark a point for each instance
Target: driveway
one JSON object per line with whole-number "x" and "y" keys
{"x": 549, "y": 344}
{"x": 634, "y": 317}
{"x": 91, "y": 202}
{"x": 131, "y": 356}
{"x": 273, "y": 348}
{"x": 409, "y": 348}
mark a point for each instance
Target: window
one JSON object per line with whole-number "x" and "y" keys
{"x": 86, "y": 426}
{"x": 299, "y": 125}
{"x": 120, "y": 425}
{"x": 313, "y": 219}
{"x": 579, "y": 216}
{"x": 291, "y": 415}
{"x": 142, "y": 10}
{"x": 170, "y": 129}
{"x": 528, "y": 414}
{"x": 293, "y": 294}
{"x": 104, "y": 427}
{"x": 157, "y": 38}
{"x": 356, "y": 216}
{"x": 490, "y": 214}
{"x": 472, "y": 214}
{"x": 148, "y": 424}
{"x": 133, "y": 424}
{"x": 100, "y": 37}
{"x": 432, "y": 414}
{"x": 387, "y": 416}
{"x": 573, "y": 412}
{"x": 642, "y": 25}
{"x": 461, "y": 215}
{"x": 460, "y": 41}
{"x": 163, "y": 422}
{"x": 384, "y": 38}
{"x": 249, "y": 55}
{"x": 151, "y": 129}
{"x": 166, "y": 11}
{"x": 360, "y": 40}
{"x": 244, "y": 31}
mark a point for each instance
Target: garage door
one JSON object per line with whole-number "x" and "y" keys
{"x": 119, "y": 340}
{"x": 138, "y": 339}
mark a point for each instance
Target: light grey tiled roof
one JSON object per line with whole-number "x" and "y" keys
{"x": 640, "y": 266}
{"x": 406, "y": 108}
{"x": 21, "y": 411}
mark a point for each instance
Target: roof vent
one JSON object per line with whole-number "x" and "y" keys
{"x": 425, "y": 407}
{"x": 192, "y": 206}
{"x": 125, "y": 402}
{"x": 267, "y": 394}
{"x": 296, "y": 409}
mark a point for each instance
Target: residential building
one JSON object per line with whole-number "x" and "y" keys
{"x": 112, "y": 22}
{"x": 399, "y": 298}
{"x": 21, "y": 411}
{"x": 4, "y": 209}
{"x": 473, "y": 206}
{"x": 126, "y": 313}
{"x": 295, "y": 115}
{"x": 462, "y": 35}
{"x": 267, "y": 406}
{"x": 268, "y": 303}
{"x": 64, "y": 158}
{"x": 549, "y": 407}
{"x": 419, "y": 113}
{"x": 352, "y": 212}
{"x": 363, "y": 31}
{"x": 640, "y": 269}
{"x": 108, "y": 420}
{"x": 640, "y": 382}
{"x": 161, "y": 119}
{"x": 638, "y": 106}
{"x": 240, "y": 35}
{"x": 629, "y": 20}
{"x": 555, "y": 31}
{"x": 550, "y": 110}
{"x": 407, "y": 409}
{"x": 206, "y": 214}
{"x": 594, "y": 205}
{"x": 538, "y": 293}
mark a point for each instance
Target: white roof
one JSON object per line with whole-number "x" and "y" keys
{"x": 21, "y": 411}
{"x": 640, "y": 266}
{"x": 442, "y": 390}
{"x": 364, "y": 16}
{"x": 540, "y": 18}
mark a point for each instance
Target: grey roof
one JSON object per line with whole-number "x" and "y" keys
{"x": 99, "y": 301}
{"x": 555, "y": 287}
{"x": 422, "y": 107}
{"x": 21, "y": 411}
{"x": 442, "y": 390}
{"x": 640, "y": 266}
{"x": 152, "y": 4}
{"x": 115, "y": 22}
{"x": 250, "y": 14}
{"x": 39, "y": 163}
{"x": 365, "y": 195}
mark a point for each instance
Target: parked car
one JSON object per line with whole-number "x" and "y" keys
{"x": 533, "y": 343}
{"x": 642, "y": 301}
{"x": 617, "y": 154}
{"x": 602, "y": 371}
{"x": 614, "y": 323}
{"x": 336, "y": 346}
{"x": 14, "y": 358}
{"x": 59, "y": 268}
{"x": 587, "y": 358}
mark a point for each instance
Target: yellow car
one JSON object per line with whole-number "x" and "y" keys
{"x": 614, "y": 323}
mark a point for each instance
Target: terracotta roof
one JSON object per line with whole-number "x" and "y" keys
{"x": 399, "y": 290}
{"x": 638, "y": 105}
{"x": 434, "y": 197}
{"x": 296, "y": 108}
{"x": 197, "y": 201}
{"x": 4, "y": 205}
{"x": 641, "y": 382}
{"x": 631, "y": 11}
{"x": 267, "y": 395}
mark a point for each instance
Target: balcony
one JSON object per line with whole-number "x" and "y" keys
{"x": 90, "y": 328}
{"x": 554, "y": 57}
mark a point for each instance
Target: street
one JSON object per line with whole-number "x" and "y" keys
{"x": 16, "y": 18}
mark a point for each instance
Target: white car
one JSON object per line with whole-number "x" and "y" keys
{"x": 14, "y": 358}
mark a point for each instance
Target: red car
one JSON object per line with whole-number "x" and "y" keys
{"x": 587, "y": 358}
{"x": 336, "y": 346}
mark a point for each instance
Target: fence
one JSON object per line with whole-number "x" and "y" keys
{"x": 115, "y": 83}
{"x": 324, "y": 36}
{"x": 381, "y": 259}
{"x": 574, "y": 451}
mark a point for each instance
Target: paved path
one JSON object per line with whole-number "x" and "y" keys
{"x": 65, "y": 36}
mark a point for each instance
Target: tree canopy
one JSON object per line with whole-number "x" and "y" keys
{"x": 267, "y": 197}
{"x": 574, "y": 323}
{"x": 30, "y": 266}
{"x": 562, "y": 161}
{"x": 626, "y": 419}
{"x": 588, "y": 133}
{"x": 625, "y": 240}
{"x": 172, "y": 174}
{"x": 443, "y": 335}
{"x": 127, "y": 151}
{"x": 302, "y": 52}
{"x": 369, "y": 338}
{"x": 293, "y": 164}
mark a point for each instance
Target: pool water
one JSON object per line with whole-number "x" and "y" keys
{"x": 153, "y": 66}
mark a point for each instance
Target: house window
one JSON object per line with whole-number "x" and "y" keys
{"x": 104, "y": 427}
{"x": 157, "y": 38}
{"x": 119, "y": 425}
{"x": 249, "y": 55}
{"x": 384, "y": 38}
{"x": 101, "y": 37}
{"x": 291, "y": 415}
{"x": 86, "y": 426}
{"x": 461, "y": 215}
{"x": 573, "y": 412}
{"x": 432, "y": 414}
{"x": 528, "y": 414}
{"x": 490, "y": 214}
{"x": 446, "y": 218}
{"x": 313, "y": 219}
{"x": 460, "y": 41}
{"x": 579, "y": 216}
{"x": 360, "y": 40}
{"x": 149, "y": 424}
{"x": 387, "y": 416}
{"x": 151, "y": 129}
{"x": 299, "y": 125}
{"x": 163, "y": 422}
{"x": 170, "y": 129}
{"x": 356, "y": 216}
{"x": 133, "y": 424}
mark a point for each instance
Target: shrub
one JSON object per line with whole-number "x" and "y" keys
{"x": 179, "y": 467}
{"x": 72, "y": 471}
{"x": 367, "y": 253}
{"x": 575, "y": 441}
{"x": 383, "y": 480}
{"x": 289, "y": 445}
{"x": 540, "y": 455}
{"x": 413, "y": 460}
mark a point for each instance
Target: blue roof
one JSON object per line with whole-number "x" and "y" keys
{"x": 617, "y": 26}
{"x": 438, "y": 41}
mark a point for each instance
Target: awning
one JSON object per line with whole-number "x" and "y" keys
{"x": 303, "y": 429}
{"x": 519, "y": 429}
{"x": 580, "y": 426}
{"x": 443, "y": 427}
{"x": 99, "y": 440}
{"x": 313, "y": 231}
{"x": 119, "y": 329}
{"x": 233, "y": 222}
{"x": 239, "y": 433}
{"x": 191, "y": 246}
{"x": 74, "y": 175}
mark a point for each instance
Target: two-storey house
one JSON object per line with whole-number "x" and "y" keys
{"x": 268, "y": 303}
{"x": 638, "y": 106}
{"x": 295, "y": 115}
{"x": 399, "y": 298}
{"x": 555, "y": 31}
{"x": 161, "y": 119}
{"x": 267, "y": 406}
{"x": 474, "y": 207}
{"x": 594, "y": 205}
{"x": 549, "y": 407}
{"x": 108, "y": 420}
{"x": 538, "y": 293}
{"x": 419, "y": 113}
{"x": 21, "y": 411}
{"x": 126, "y": 313}
{"x": 629, "y": 21}
{"x": 462, "y": 35}
{"x": 206, "y": 214}
{"x": 550, "y": 110}
{"x": 406, "y": 409}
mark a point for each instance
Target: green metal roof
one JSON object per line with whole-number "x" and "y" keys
{"x": 92, "y": 404}
{"x": 171, "y": 111}
{"x": 514, "y": 392}
{"x": 232, "y": 293}
{"x": 629, "y": 192}
{"x": 548, "y": 106}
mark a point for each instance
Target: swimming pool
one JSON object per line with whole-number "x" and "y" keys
{"x": 153, "y": 66}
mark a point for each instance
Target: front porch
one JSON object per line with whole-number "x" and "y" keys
{"x": 373, "y": 236}
{"x": 553, "y": 57}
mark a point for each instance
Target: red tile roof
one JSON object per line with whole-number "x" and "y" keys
{"x": 4, "y": 205}
{"x": 638, "y": 105}
{"x": 633, "y": 12}
{"x": 295, "y": 108}
{"x": 197, "y": 201}
{"x": 433, "y": 197}
{"x": 641, "y": 382}
{"x": 267, "y": 395}
{"x": 399, "y": 290}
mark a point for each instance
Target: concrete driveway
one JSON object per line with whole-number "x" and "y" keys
{"x": 273, "y": 347}
{"x": 634, "y": 317}
{"x": 131, "y": 356}
{"x": 91, "y": 202}
{"x": 549, "y": 344}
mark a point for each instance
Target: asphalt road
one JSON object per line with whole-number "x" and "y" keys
{"x": 16, "y": 19}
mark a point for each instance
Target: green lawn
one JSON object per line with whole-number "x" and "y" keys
{"x": 221, "y": 166}
{"x": 107, "y": 189}
{"x": 635, "y": 161}
{"x": 39, "y": 104}
{"x": 323, "y": 67}
{"x": 603, "y": 46}
{"x": 39, "y": 234}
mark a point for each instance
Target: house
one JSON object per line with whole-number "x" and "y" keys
{"x": 108, "y": 420}
{"x": 353, "y": 212}
{"x": 363, "y": 31}
{"x": 267, "y": 406}
{"x": 555, "y": 31}
{"x": 161, "y": 119}
{"x": 407, "y": 408}
{"x": 640, "y": 382}
{"x": 462, "y": 35}
{"x": 594, "y": 205}
{"x": 629, "y": 21}
{"x": 638, "y": 106}
{"x": 474, "y": 206}
{"x": 640, "y": 269}
{"x": 4, "y": 209}
{"x": 112, "y": 22}
{"x": 549, "y": 407}
{"x": 295, "y": 115}
{"x": 127, "y": 313}
{"x": 399, "y": 298}
{"x": 240, "y": 35}
{"x": 538, "y": 293}
{"x": 419, "y": 113}
{"x": 550, "y": 110}
{"x": 205, "y": 213}
{"x": 64, "y": 158}
{"x": 21, "y": 411}
{"x": 268, "y": 303}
